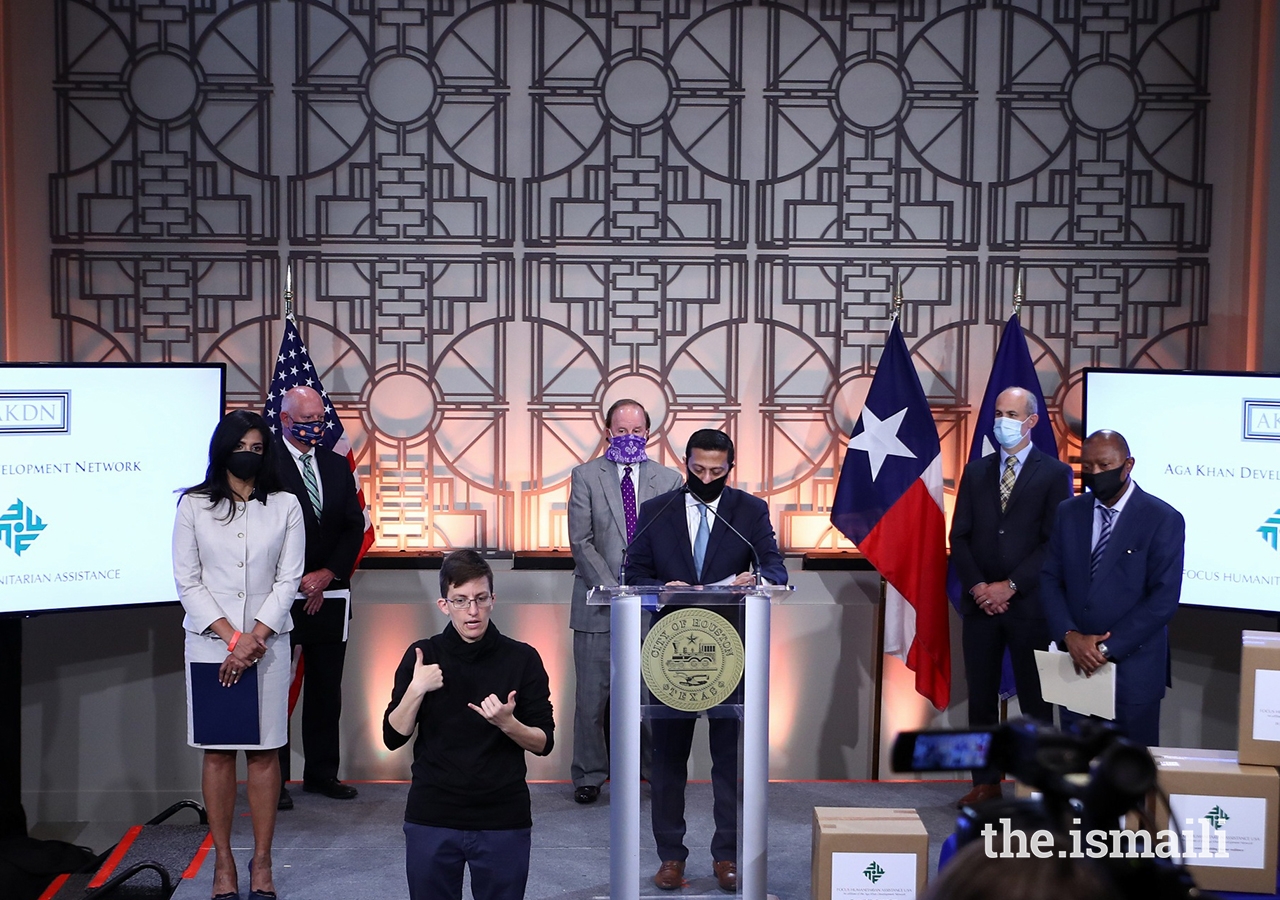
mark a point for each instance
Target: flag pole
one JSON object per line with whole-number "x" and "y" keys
{"x": 877, "y": 705}
{"x": 288, "y": 291}
{"x": 1017, "y": 292}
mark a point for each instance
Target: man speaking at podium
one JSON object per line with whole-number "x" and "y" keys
{"x": 700, "y": 534}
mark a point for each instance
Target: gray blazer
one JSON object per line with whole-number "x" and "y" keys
{"x": 598, "y": 530}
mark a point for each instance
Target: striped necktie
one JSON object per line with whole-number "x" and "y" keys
{"x": 1104, "y": 535}
{"x": 313, "y": 486}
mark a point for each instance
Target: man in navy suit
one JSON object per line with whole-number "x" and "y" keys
{"x": 1111, "y": 582}
{"x": 326, "y": 490}
{"x": 1004, "y": 512}
{"x": 684, "y": 538}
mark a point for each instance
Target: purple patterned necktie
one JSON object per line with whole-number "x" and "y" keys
{"x": 629, "y": 502}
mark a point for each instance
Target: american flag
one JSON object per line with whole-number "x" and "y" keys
{"x": 293, "y": 368}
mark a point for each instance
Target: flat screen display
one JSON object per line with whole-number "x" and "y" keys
{"x": 90, "y": 458}
{"x": 1209, "y": 445}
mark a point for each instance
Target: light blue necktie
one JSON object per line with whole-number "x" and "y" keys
{"x": 700, "y": 540}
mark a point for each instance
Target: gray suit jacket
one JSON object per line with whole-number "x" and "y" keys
{"x": 598, "y": 530}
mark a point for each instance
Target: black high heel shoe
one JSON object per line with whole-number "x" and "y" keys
{"x": 255, "y": 895}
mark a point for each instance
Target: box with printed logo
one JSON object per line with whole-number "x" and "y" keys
{"x": 1259, "y": 737}
{"x": 868, "y": 853}
{"x": 1221, "y": 816}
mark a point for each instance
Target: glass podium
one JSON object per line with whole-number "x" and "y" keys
{"x": 687, "y": 665}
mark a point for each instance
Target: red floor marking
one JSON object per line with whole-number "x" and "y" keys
{"x": 116, "y": 855}
{"x": 198, "y": 860}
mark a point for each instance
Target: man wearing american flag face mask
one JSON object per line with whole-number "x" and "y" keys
{"x": 337, "y": 533}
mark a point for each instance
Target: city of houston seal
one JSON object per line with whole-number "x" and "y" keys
{"x": 692, "y": 659}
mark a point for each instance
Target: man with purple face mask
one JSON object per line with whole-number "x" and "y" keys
{"x": 604, "y": 498}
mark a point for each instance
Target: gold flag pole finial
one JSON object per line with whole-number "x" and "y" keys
{"x": 288, "y": 292}
{"x": 897, "y": 299}
{"x": 1017, "y": 292}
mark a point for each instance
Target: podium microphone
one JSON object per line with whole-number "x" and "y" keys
{"x": 755, "y": 557}
{"x": 622, "y": 567}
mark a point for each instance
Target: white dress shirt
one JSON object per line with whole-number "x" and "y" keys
{"x": 1115, "y": 517}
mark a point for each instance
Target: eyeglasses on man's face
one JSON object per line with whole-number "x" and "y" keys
{"x": 482, "y": 601}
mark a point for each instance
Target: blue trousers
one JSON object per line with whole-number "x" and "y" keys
{"x": 435, "y": 857}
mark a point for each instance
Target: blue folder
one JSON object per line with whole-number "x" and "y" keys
{"x": 224, "y": 716}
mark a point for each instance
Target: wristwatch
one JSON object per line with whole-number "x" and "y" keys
{"x": 1013, "y": 587}
{"x": 1102, "y": 648}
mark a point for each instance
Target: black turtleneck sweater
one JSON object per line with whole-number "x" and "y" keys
{"x": 467, "y": 774}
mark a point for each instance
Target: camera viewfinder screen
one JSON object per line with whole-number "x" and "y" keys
{"x": 950, "y": 750}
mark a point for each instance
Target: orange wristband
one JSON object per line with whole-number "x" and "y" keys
{"x": 231, "y": 644}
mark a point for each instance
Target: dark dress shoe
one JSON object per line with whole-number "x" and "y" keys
{"x": 981, "y": 793}
{"x": 286, "y": 799}
{"x": 331, "y": 788}
{"x": 726, "y": 874}
{"x": 588, "y": 793}
{"x": 670, "y": 875}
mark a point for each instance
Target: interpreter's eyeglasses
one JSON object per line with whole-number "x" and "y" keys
{"x": 482, "y": 601}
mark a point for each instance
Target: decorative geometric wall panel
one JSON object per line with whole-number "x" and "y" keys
{"x": 401, "y": 123}
{"x": 503, "y": 216}
{"x": 637, "y": 124}
{"x": 412, "y": 351}
{"x": 1121, "y": 313}
{"x": 869, "y": 126}
{"x": 661, "y": 331}
{"x": 163, "y": 122}
{"x": 825, "y": 322}
{"x": 1102, "y": 126}
{"x": 165, "y": 307}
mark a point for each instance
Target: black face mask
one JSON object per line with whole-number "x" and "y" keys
{"x": 705, "y": 491}
{"x": 244, "y": 464}
{"x": 1105, "y": 485}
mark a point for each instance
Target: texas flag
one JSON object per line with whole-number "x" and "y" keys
{"x": 889, "y": 503}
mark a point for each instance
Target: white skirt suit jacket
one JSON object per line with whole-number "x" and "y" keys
{"x": 245, "y": 569}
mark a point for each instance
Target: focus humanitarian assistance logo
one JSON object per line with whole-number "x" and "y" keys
{"x": 692, "y": 659}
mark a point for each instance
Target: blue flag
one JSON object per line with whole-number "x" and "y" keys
{"x": 1012, "y": 368}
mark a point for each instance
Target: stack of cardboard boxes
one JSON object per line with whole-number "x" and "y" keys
{"x": 1222, "y": 810}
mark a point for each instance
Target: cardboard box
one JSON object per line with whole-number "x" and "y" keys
{"x": 868, "y": 853}
{"x": 1230, "y": 806}
{"x": 1259, "y": 737}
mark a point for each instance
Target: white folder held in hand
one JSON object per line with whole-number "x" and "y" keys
{"x": 1060, "y": 683}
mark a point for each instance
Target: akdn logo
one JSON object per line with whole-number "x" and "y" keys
{"x": 1217, "y": 817}
{"x": 19, "y": 527}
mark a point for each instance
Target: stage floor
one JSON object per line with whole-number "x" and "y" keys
{"x": 354, "y": 850}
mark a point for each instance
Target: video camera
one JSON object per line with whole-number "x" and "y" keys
{"x": 1087, "y": 781}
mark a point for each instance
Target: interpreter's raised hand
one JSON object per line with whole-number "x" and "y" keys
{"x": 425, "y": 678}
{"x": 503, "y": 715}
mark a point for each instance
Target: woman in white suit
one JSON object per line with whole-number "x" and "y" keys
{"x": 238, "y": 548}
